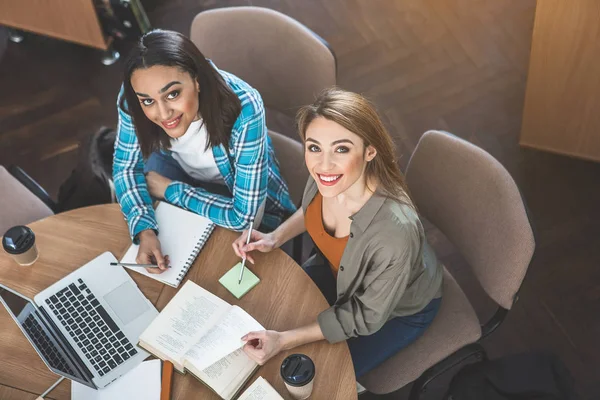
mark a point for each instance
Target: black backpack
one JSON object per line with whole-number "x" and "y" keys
{"x": 529, "y": 376}
{"x": 90, "y": 182}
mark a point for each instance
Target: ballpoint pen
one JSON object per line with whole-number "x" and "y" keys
{"x": 136, "y": 265}
{"x": 244, "y": 259}
{"x": 51, "y": 388}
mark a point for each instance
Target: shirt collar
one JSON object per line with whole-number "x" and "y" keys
{"x": 363, "y": 217}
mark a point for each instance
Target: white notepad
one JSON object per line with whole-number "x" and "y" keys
{"x": 141, "y": 383}
{"x": 182, "y": 235}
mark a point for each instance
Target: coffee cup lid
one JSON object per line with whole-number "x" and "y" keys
{"x": 297, "y": 370}
{"x": 18, "y": 239}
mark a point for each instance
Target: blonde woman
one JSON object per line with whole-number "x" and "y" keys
{"x": 373, "y": 264}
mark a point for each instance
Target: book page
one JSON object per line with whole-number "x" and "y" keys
{"x": 260, "y": 390}
{"x": 227, "y": 375}
{"x": 222, "y": 339}
{"x": 188, "y": 316}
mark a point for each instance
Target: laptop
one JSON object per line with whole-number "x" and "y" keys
{"x": 85, "y": 327}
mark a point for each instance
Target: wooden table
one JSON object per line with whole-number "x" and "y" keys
{"x": 286, "y": 298}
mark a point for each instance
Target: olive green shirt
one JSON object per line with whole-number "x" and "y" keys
{"x": 387, "y": 269}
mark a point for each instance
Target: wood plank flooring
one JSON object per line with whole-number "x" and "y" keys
{"x": 457, "y": 65}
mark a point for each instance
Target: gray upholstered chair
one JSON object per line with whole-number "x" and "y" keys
{"x": 23, "y": 201}
{"x": 473, "y": 200}
{"x": 284, "y": 60}
{"x": 290, "y": 153}
{"x": 281, "y": 58}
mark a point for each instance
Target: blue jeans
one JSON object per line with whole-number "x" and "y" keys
{"x": 168, "y": 167}
{"x": 369, "y": 351}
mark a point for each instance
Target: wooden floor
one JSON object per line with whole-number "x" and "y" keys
{"x": 457, "y": 65}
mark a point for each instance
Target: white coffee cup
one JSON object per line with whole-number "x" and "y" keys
{"x": 298, "y": 373}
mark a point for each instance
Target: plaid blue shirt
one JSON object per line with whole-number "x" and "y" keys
{"x": 249, "y": 169}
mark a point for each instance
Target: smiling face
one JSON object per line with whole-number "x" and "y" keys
{"x": 335, "y": 157}
{"x": 168, "y": 97}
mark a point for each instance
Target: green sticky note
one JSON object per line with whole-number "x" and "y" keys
{"x": 231, "y": 278}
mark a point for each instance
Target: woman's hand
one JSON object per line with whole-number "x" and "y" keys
{"x": 150, "y": 253}
{"x": 157, "y": 184}
{"x": 261, "y": 346}
{"x": 264, "y": 242}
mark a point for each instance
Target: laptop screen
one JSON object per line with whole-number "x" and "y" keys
{"x": 42, "y": 336}
{"x": 17, "y": 305}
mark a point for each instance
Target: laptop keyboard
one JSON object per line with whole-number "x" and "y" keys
{"x": 45, "y": 345}
{"x": 91, "y": 327}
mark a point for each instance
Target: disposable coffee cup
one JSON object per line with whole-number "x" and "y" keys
{"x": 298, "y": 372}
{"x": 19, "y": 242}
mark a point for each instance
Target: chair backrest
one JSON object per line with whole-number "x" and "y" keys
{"x": 285, "y": 61}
{"x": 474, "y": 201}
{"x": 19, "y": 205}
{"x": 290, "y": 154}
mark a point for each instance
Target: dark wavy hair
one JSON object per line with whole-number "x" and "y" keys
{"x": 219, "y": 105}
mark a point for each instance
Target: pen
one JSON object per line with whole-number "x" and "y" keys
{"x": 136, "y": 265}
{"x": 244, "y": 259}
{"x": 51, "y": 388}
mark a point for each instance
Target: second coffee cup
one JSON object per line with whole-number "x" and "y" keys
{"x": 298, "y": 372}
{"x": 19, "y": 242}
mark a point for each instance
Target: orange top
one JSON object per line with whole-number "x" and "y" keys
{"x": 331, "y": 247}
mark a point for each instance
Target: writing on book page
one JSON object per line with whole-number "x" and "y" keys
{"x": 224, "y": 338}
{"x": 193, "y": 319}
{"x": 228, "y": 374}
{"x": 187, "y": 317}
{"x": 260, "y": 390}
{"x": 258, "y": 393}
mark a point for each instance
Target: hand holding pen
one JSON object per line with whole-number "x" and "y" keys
{"x": 263, "y": 242}
{"x": 150, "y": 252}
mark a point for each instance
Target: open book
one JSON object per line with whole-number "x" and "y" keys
{"x": 200, "y": 333}
{"x": 182, "y": 234}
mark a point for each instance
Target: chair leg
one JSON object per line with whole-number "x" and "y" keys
{"x": 15, "y": 35}
{"x": 419, "y": 386}
{"x": 109, "y": 56}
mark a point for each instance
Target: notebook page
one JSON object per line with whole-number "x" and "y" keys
{"x": 180, "y": 231}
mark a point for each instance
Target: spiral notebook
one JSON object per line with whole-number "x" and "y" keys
{"x": 182, "y": 235}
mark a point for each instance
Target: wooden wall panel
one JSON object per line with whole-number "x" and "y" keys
{"x": 562, "y": 100}
{"x": 73, "y": 20}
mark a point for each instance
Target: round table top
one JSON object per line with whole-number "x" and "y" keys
{"x": 284, "y": 299}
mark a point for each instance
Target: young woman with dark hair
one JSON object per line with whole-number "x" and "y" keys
{"x": 373, "y": 263}
{"x": 193, "y": 136}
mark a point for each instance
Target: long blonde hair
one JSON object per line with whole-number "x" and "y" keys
{"x": 358, "y": 115}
